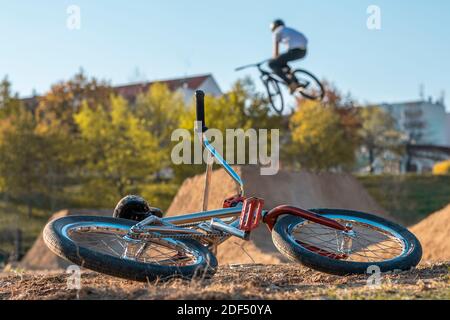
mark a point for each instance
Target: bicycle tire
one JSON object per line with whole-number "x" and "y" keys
{"x": 273, "y": 91}
{"x": 311, "y": 95}
{"x": 297, "y": 252}
{"x": 56, "y": 238}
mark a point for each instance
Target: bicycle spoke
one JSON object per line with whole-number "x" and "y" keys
{"x": 158, "y": 252}
{"x": 369, "y": 244}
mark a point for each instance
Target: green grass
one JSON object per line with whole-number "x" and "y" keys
{"x": 15, "y": 216}
{"x": 409, "y": 198}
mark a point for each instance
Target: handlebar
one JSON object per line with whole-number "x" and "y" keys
{"x": 200, "y": 106}
{"x": 257, "y": 65}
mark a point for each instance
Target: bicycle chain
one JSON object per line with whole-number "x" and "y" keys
{"x": 182, "y": 236}
{"x": 209, "y": 235}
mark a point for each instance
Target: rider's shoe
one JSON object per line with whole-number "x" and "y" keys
{"x": 293, "y": 87}
{"x": 135, "y": 208}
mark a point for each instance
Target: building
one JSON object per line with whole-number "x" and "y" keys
{"x": 426, "y": 126}
{"x": 427, "y": 122}
{"x": 448, "y": 128}
{"x": 186, "y": 85}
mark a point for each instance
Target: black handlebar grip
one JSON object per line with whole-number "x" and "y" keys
{"x": 200, "y": 104}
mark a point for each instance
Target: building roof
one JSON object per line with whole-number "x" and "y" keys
{"x": 130, "y": 91}
{"x": 414, "y": 103}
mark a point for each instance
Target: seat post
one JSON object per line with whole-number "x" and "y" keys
{"x": 208, "y": 174}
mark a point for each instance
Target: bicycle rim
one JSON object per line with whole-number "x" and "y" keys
{"x": 310, "y": 87}
{"x": 110, "y": 239}
{"x": 372, "y": 242}
{"x": 274, "y": 95}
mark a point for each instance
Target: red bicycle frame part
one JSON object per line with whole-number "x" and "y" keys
{"x": 251, "y": 214}
{"x": 271, "y": 217}
{"x": 232, "y": 201}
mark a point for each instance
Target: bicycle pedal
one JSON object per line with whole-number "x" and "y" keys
{"x": 251, "y": 214}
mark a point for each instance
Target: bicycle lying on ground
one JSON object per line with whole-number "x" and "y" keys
{"x": 335, "y": 241}
{"x": 309, "y": 86}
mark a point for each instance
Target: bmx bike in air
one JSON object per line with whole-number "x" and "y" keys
{"x": 140, "y": 244}
{"x": 309, "y": 87}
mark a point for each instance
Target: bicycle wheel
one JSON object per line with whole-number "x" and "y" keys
{"x": 98, "y": 243}
{"x": 310, "y": 87}
{"x": 375, "y": 242}
{"x": 274, "y": 94}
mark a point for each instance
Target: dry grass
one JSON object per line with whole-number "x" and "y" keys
{"x": 283, "y": 281}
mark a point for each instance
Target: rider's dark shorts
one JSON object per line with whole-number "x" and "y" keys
{"x": 284, "y": 58}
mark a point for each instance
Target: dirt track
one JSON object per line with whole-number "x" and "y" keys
{"x": 285, "y": 281}
{"x": 433, "y": 233}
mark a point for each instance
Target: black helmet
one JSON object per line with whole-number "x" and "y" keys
{"x": 134, "y": 207}
{"x": 275, "y": 24}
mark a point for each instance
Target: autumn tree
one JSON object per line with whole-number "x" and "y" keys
{"x": 318, "y": 138}
{"x": 56, "y": 108}
{"x": 378, "y": 133}
{"x": 54, "y": 118}
{"x": 221, "y": 113}
{"x": 21, "y": 164}
{"x": 328, "y": 129}
{"x": 240, "y": 108}
{"x": 29, "y": 161}
{"x": 9, "y": 101}
{"x": 159, "y": 111}
{"x": 120, "y": 153}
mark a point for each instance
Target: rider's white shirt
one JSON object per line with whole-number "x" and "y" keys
{"x": 290, "y": 37}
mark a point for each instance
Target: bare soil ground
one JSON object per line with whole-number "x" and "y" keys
{"x": 434, "y": 235}
{"x": 251, "y": 281}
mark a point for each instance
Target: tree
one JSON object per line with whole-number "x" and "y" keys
{"x": 442, "y": 168}
{"x": 33, "y": 166}
{"x": 378, "y": 133}
{"x": 120, "y": 154}
{"x": 5, "y": 92}
{"x": 55, "y": 124}
{"x": 335, "y": 112}
{"x": 240, "y": 108}
{"x": 21, "y": 163}
{"x": 318, "y": 138}
{"x": 56, "y": 109}
{"x": 9, "y": 101}
{"x": 160, "y": 112}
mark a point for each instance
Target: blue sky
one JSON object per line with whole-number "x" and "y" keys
{"x": 165, "y": 39}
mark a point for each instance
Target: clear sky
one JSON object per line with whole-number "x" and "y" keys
{"x": 169, "y": 38}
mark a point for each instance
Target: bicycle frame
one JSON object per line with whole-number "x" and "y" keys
{"x": 179, "y": 224}
{"x": 214, "y": 215}
{"x": 262, "y": 71}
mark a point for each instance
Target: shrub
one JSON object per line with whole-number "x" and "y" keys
{"x": 442, "y": 168}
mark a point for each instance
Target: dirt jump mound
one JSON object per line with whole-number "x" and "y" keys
{"x": 434, "y": 235}
{"x": 304, "y": 189}
{"x": 39, "y": 257}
